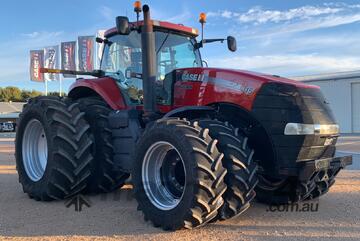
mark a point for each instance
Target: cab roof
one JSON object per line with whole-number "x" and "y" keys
{"x": 160, "y": 25}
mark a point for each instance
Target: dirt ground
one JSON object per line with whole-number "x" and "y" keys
{"x": 114, "y": 216}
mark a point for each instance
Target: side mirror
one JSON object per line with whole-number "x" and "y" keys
{"x": 122, "y": 25}
{"x": 99, "y": 40}
{"x": 231, "y": 42}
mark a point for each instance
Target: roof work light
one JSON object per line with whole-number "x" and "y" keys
{"x": 202, "y": 18}
{"x": 137, "y": 9}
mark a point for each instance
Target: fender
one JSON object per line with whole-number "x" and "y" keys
{"x": 235, "y": 114}
{"x": 105, "y": 87}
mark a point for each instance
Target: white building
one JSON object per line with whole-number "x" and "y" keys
{"x": 342, "y": 90}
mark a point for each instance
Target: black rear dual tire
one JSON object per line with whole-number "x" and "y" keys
{"x": 103, "y": 177}
{"x": 201, "y": 180}
{"x": 64, "y": 147}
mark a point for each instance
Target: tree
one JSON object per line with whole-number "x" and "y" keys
{"x": 56, "y": 93}
{"x": 10, "y": 94}
{"x": 14, "y": 94}
{"x": 26, "y": 94}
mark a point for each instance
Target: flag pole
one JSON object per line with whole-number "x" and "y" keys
{"x": 61, "y": 77}
{"x": 46, "y": 87}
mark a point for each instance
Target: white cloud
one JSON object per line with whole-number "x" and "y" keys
{"x": 183, "y": 15}
{"x": 289, "y": 64}
{"x": 107, "y": 12}
{"x": 226, "y": 14}
{"x": 37, "y": 34}
{"x": 306, "y": 25}
{"x": 258, "y": 22}
{"x": 180, "y": 18}
{"x": 285, "y": 33}
{"x": 257, "y": 15}
{"x": 341, "y": 4}
{"x": 31, "y": 35}
{"x": 329, "y": 43}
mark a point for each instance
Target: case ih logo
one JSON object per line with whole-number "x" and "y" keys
{"x": 248, "y": 90}
{"x": 37, "y": 66}
{"x": 191, "y": 77}
{"x": 36, "y": 62}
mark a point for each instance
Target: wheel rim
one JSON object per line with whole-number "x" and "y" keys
{"x": 34, "y": 150}
{"x": 163, "y": 175}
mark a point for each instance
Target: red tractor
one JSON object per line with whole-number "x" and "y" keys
{"x": 198, "y": 142}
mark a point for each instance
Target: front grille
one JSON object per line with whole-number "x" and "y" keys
{"x": 278, "y": 104}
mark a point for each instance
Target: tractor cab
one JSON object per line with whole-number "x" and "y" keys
{"x": 142, "y": 56}
{"x": 175, "y": 47}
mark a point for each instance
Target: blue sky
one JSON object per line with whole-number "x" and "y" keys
{"x": 288, "y": 38}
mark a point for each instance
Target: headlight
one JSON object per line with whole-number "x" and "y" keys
{"x": 310, "y": 129}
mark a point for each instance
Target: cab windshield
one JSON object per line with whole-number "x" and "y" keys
{"x": 123, "y": 53}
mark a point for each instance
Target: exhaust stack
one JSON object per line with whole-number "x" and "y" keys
{"x": 148, "y": 63}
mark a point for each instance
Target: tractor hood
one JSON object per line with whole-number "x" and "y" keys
{"x": 272, "y": 101}
{"x": 236, "y": 76}
{"x": 224, "y": 85}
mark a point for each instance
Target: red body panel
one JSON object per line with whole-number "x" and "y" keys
{"x": 196, "y": 87}
{"x": 106, "y": 87}
{"x": 213, "y": 85}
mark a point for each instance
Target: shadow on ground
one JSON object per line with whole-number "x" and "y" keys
{"x": 115, "y": 215}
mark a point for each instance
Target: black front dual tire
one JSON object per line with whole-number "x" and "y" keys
{"x": 79, "y": 155}
{"x": 53, "y": 149}
{"x": 202, "y": 180}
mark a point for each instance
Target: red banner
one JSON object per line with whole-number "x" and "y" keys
{"x": 68, "y": 61}
{"x": 36, "y": 62}
{"x": 86, "y": 53}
